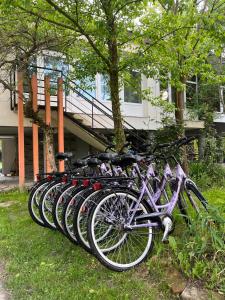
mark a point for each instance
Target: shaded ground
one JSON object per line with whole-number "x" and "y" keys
{"x": 9, "y": 183}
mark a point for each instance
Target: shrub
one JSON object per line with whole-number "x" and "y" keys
{"x": 200, "y": 251}
{"x": 207, "y": 175}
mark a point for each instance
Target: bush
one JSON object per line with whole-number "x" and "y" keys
{"x": 201, "y": 255}
{"x": 207, "y": 175}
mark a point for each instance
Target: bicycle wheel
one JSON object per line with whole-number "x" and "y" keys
{"x": 46, "y": 203}
{"x": 81, "y": 217}
{"x": 60, "y": 200}
{"x": 33, "y": 202}
{"x": 121, "y": 249}
{"x": 191, "y": 202}
{"x": 68, "y": 213}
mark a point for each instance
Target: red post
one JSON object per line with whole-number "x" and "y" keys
{"x": 60, "y": 122}
{"x": 21, "y": 153}
{"x": 47, "y": 117}
{"x": 34, "y": 86}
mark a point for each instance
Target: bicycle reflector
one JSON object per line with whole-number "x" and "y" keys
{"x": 38, "y": 178}
{"x": 97, "y": 186}
{"x": 49, "y": 177}
{"x": 74, "y": 182}
{"x": 86, "y": 182}
{"x": 64, "y": 179}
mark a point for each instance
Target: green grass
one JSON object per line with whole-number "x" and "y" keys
{"x": 198, "y": 250}
{"x": 42, "y": 264}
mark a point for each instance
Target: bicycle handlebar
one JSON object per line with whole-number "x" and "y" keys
{"x": 179, "y": 143}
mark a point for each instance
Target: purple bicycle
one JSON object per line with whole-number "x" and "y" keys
{"x": 130, "y": 217}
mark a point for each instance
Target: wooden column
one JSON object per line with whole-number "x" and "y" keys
{"x": 21, "y": 153}
{"x": 47, "y": 119}
{"x": 60, "y": 122}
{"x": 35, "y": 128}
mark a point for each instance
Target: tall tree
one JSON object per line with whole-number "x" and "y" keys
{"x": 107, "y": 30}
{"x": 197, "y": 28}
{"x": 23, "y": 37}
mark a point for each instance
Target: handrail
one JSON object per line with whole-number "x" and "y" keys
{"x": 95, "y": 103}
{"x": 81, "y": 95}
{"x": 86, "y": 113}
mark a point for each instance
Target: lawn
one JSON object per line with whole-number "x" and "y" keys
{"x": 43, "y": 264}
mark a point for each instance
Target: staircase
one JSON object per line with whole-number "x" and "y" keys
{"x": 85, "y": 116}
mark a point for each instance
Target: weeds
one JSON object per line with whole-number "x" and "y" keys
{"x": 200, "y": 251}
{"x": 207, "y": 175}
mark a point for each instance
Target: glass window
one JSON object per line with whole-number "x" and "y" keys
{"x": 198, "y": 94}
{"x": 132, "y": 89}
{"x": 191, "y": 94}
{"x": 105, "y": 89}
{"x": 53, "y": 67}
{"x": 163, "y": 83}
{"x": 29, "y": 72}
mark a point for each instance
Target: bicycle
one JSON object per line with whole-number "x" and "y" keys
{"x": 133, "y": 217}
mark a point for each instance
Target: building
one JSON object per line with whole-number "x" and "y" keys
{"x": 88, "y": 119}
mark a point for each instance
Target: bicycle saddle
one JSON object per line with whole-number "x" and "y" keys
{"x": 63, "y": 155}
{"x": 125, "y": 160}
{"x": 78, "y": 163}
{"x": 105, "y": 157}
{"x": 93, "y": 162}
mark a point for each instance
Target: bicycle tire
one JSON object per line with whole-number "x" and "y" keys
{"x": 33, "y": 205}
{"x": 101, "y": 254}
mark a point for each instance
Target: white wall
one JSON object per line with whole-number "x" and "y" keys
{"x": 141, "y": 115}
{"x": 7, "y": 116}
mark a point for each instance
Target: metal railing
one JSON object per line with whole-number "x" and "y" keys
{"x": 84, "y": 106}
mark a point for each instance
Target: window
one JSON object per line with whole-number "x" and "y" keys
{"x": 132, "y": 89}
{"x": 54, "y": 67}
{"x": 192, "y": 92}
{"x": 164, "y": 91}
{"x": 105, "y": 89}
{"x": 29, "y": 72}
{"x": 199, "y": 93}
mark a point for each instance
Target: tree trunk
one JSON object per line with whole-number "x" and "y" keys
{"x": 117, "y": 117}
{"x": 201, "y": 146}
{"x": 49, "y": 146}
{"x": 37, "y": 119}
{"x": 114, "y": 79}
{"x": 179, "y": 115}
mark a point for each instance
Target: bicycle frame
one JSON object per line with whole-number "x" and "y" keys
{"x": 152, "y": 199}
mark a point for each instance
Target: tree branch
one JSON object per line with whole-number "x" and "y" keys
{"x": 80, "y": 29}
{"x": 165, "y": 35}
{"x": 7, "y": 86}
{"x": 65, "y": 26}
{"x": 126, "y": 4}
